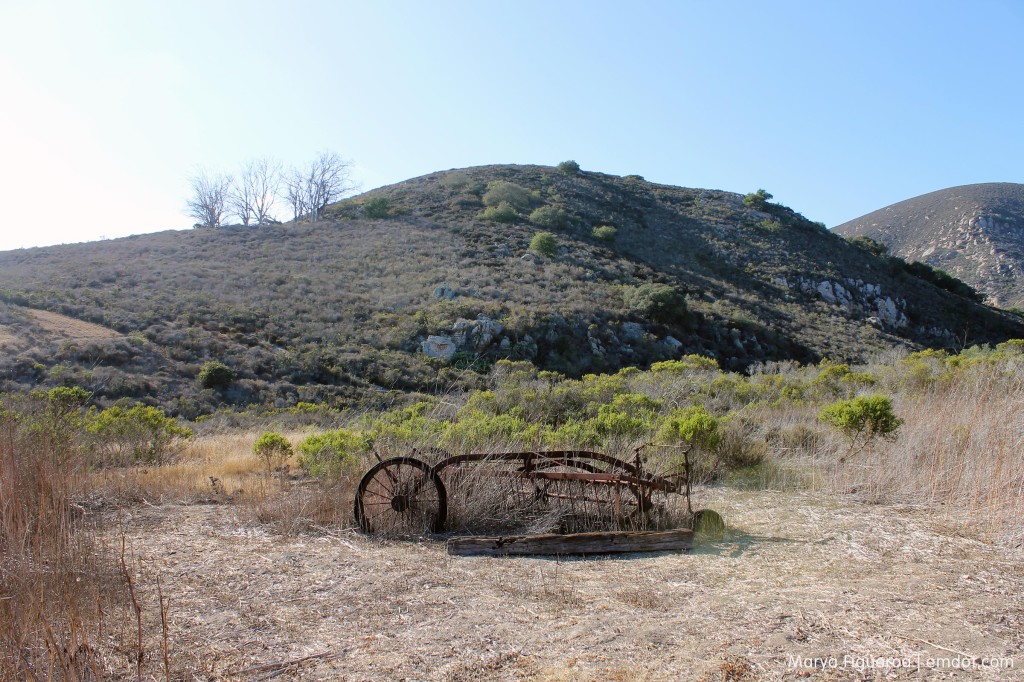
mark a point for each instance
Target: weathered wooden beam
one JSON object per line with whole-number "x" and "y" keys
{"x": 611, "y": 542}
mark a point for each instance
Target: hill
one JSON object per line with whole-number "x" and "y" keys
{"x": 974, "y": 232}
{"x": 420, "y": 285}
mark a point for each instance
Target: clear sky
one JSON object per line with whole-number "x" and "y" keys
{"x": 838, "y": 108}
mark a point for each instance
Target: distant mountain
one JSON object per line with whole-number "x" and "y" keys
{"x": 422, "y": 285}
{"x": 974, "y": 232}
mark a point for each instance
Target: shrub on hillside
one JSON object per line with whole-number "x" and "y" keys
{"x": 693, "y": 425}
{"x": 502, "y": 213}
{"x": 943, "y": 280}
{"x": 568, "y": 168}
{"x": 544, "y": 244}
{"x": 377, "y": 207}
{"x": 551, "y": 217}
{"x": 660, "y": 302}
{"x": 503, "y": 192}
{"x": 757, "y": 200}
{"x": 605, "y": 233}
{"x": 215, "y": 374}
{"x": 870, "y": 245}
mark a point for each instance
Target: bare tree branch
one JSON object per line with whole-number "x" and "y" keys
{"x": 295, "y": 194}
{"x": 253, "y": 194}
{"x": 267, "y": 176}
{"x": 326, "y": 179}
{"x": 209, "y": 198}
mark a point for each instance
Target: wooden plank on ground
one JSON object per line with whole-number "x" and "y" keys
{"x": 612, "y": 542}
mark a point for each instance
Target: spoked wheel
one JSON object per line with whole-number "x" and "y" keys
{"x": 401, "y": 496}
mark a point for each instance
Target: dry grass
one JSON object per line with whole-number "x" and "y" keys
{"x": 958, "y": 454}
{"x": 59, "y": 584}
{"x": 212, "y": 468}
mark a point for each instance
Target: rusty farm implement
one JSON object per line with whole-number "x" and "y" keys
{"x": 405, "y": 496}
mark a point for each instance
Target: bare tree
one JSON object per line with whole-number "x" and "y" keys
{"x": 253, "y": 194}
{"x": 326, "y": 179}
{"x": 295, "y": 194}
{"x": 209, "y": 197}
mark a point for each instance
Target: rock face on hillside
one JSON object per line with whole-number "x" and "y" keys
{"x": 974, "y": 232}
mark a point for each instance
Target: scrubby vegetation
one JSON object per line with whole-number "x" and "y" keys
{"x": 551, "y": 217}
{"x": 544, "y": 244}
{"x": 943, "y": 280}
{"x": 568, "y": 168}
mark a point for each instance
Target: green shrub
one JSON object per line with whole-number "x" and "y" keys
{"x": 685, "y": 364}
{"x": 544, "y": 244}
{"x": 758, "y": 200}
{"x": 377, "y": 207}
{"x": 863, "y": 417}
{"x": 549, "y": 216}
{"x": 331, "y": 452}
{"x": 215, "y": 374}
{"x": 503, "y": 192}
{"x": 659, "y": 302}
{"x": 870, "y": 245}
{"x": 568, "y": 168}
{"x": 693, "y": 425}
{"x": 136, "y": 434}
{"x": 605, "y": 233}
{"x": 502, "y": 213}
{"x": 56, "y": 417}
{"x": 943, "y": 280}
{"x": 272, "y": 449}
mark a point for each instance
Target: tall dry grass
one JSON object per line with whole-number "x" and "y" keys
{"x": 960, "y": 452}
{"x": 218, "y": 467}
{"x": 59, "y": 586}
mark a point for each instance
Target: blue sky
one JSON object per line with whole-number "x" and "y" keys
{"x": 838, "y": 108}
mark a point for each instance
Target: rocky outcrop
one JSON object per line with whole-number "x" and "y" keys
{"x": 476, "y": 335}
{"x": 469, "y": 335}
{"x": 859, "y": 299}
{"x": 439, "y": 347}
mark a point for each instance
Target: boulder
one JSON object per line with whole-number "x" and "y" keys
{"x": 440, "y": 347}
{"x": 475, "y": 334}
{"x": 632, "y": 331}
{"x": 444, "y": 292}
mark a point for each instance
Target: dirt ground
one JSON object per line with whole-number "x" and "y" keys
{"x": 54, "y": 325}
{"x": 798, "y": 577}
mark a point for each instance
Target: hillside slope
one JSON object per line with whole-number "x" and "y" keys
{"x": 351, "y": 309}
{"x": 975, "y": 232}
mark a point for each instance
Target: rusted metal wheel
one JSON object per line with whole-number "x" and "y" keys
{"x": 401, "y": 496}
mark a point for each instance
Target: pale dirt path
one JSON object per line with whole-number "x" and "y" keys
{"x": 799, "y": 576}
{"x": 54, "y": 325}
{"x": 69, "y": 327}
